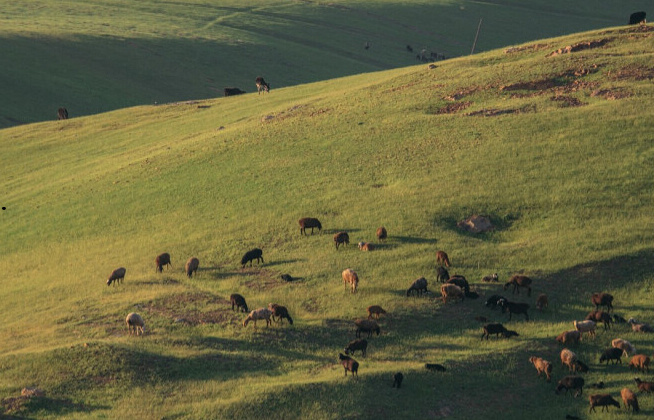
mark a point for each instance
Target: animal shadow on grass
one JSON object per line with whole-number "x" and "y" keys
{"x": 335, "y": 231}
{"x": 282, "y": 262}
{"x": 413, "y": 240}
{"x": 57, "y": 406}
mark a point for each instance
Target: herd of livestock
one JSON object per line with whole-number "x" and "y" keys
{"x": 453, "y": 288}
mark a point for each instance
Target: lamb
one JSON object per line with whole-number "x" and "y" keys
{"x": 494, "y": 301}
{"x": 612, "y": 353}
{"x": 644, "y": 386}
{"x": 626, "y": 346}
{"x": 354, "y": 345}
{"x": 585, "y": 326}
{"x": 366, "y": 325}
{"x": 253, "y": 254}
{"x": 279, "y": 312}
{"x": 629, "y": 399}
{"x": 451, "y": 291}
{"x": 442, "y": 258}
{"x": 349, "y": 364}
{"x": 497, "y": 329}
{"x": 600, "y": 316}
{"x": 238, "y": 301}
{"x": 381, "y": 236}
{"x": 435, "y": 367}
{"x": 341, "y": 238}
{"x": 542, "y": 302}
{"x": 514, "y": 308}
{"x": 257, "y": 314}
{"x": 375, "y": 310}
{"x": 397, "y": 380}
{"x": 542, "y": 366}
{"x": 351, "y": 278}
{"x": 569, "y": 359}
{"x": 309, "y": 222}
{"x": 519, "y": 281}
{"x": 491, "y": 278}
{"x": 366, "y": 246}
{"x": 135, "y": 323}
{"x": 572, "y": 336}
{"x": 640, "y": 362}
{"x": 192, "y": 266}
{"x": 419, "y": 286}
{"x": 569, "y": 383}
{"x": 602, "y": 299}
{"x": 602, "y": 400}
{"x": 442, "y": 274}
{"x": 460, "y": 281}
{"x": 161, "y": 260}
{"x": 118, "y": 275}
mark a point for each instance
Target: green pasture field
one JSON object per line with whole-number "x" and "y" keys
{"x": 94, "y": 56}
{"x": 556, "y": 150}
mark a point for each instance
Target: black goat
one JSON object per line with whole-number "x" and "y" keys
{"x": 253, "y": 254}
{"x": 613, "y": 353}
{"x": 238, "y": 301}
{"x": 497, "y": 329}
{"x": 514, "y": 308}
{"x": 161, "y": 260}
{"x": 494, "y": 301}
{"x": 571, "y": 383}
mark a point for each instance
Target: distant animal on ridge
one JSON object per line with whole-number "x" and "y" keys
{"x": 262, "y": 86}
{"x": 637, "y": 17}
{"x": 62, "y": 114}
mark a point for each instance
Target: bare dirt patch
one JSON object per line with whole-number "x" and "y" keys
{"x": 189, "y": 308}
{"x": 611, "y": 94}
{"x": 462, "y": 93}
{"x": 453, "y": 108}
{"x": 493, "y": 112}
{"x": 526, "y": 48}
{"x": 637, "y": 73}
{"x": 567, "y": 101}
{"x": 586, "y": 45}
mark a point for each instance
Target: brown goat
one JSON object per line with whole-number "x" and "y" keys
{"x": 542, "y": 302}
{"x": 602, "y": 299}
{"x": 629, "y": 399}
{"x": 351, "y": 278}
{"x": 382, "y": 234}
{"x": 640, "y": 362}
{"x": 442, "y": 258}
{"x": 644, "y": 386}
{"x": 602, "y": 400}
{"x": 572, "y": 336}
{"x": 519, "y": 281}
{"x": 375, "y": 310}
{"x": 542, "y": 366}
{"x": 341, "y": 238}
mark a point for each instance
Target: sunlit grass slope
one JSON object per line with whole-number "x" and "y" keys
{"x": 556, "y": 150}
{"x": 92, "y": 56}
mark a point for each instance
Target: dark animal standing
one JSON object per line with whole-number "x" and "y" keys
{"x": 600, "y": 316}
{"x": 354, "y": 345}
{"x": 442, "y": 274}
{"x": 366, "y": 325}
{"x": 280, "y": 312}
{"x": 514, "y": 308}
{"x": 116, "y": 276}
{"x": 419, "y": 286}
{"x": 442, "y": 258}
{"x": 571, "y": 383}
{"x": 238, "y": 301}
{"x": 497, "y": 329}
{"x": 494, "y": 301}
{"x": 253, "y": 254}
{"x": 341, "y": 238}
{"x": 602, "y": 299}
{"x": 192, "y": 266}
{"x": 382, "y": 234}
{"x": 644, "y": 386}
{"x": 637, "y": 17}
{"x": 602, "y": 400}
{"x": 161, "y": 260}
{"x": 232, "y": 91}
{"x": 460, "y": 281}
{"x": 434, "y": 367}
{"x": 262, "y": 85}
{"x": 376, "y": 311}
{"x": 397, "y": 380}
{"x": 349, "y": 364}
{"x": 613, "y": 353}
{"x": 519, "y": 281}
{"x": 62, "y": 114}
{"x": 309, "y": 222}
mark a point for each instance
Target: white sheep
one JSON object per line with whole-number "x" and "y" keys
{"x": 135, "y": 321}
{"x": 257, "y": 314}
{"x": 585, "y": 326}
{"x": 627, "y": 347}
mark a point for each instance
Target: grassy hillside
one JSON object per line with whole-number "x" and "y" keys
{"x": 93, "y": 56}
{"x": 556, "y": 150}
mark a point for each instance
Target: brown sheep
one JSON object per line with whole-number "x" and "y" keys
{"x": 600, "y": 316}
{"x": 451, "y": 291}
{"x": 542, "y": 366}
{"x": 640, "y": 362}
{"x": 375, "y": 310}
{"x": 644, "y": 386}
{"x": 569, "y": 359}
{"x": 519, "y": 281}
{"x": 279, "y": 312}
{"x": 366, "y": 325}
{"x": 566, "y": 337}
{"x": 419, "y": 286}
{"x": 602, "y": 400}
{"x": 442, "y": 258}
{"x": 341, "y": 238}
{"x": 602, "y": 299}
{"x": 366, "y": 246}
{"x": 382, "y": 234}
{"x": 238, "y": 301}
{"x": 351, "y": 278}
{"x": 118, "y": 275}
{"x": 542, "y": 302}
{"x": 161, "y": 260}
{"x": 192, "y": 266}
{"x": 309, "y": 222}
{"x": 349, "y": 364}
{"x": 629, "y": 399}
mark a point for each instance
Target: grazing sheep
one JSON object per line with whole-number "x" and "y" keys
{"x": 434, "y": 367}
{"x": 253, "y": 254}
{"x": 626, "y": 346}
{"x": 585, "y": 326}
{"x": 118, "y": 275}
{"x": 451, "y": 291}
{"x": 354, "y": 345}
{"x": 279, "y": 312}
{"x": 350, "y": 278}
{"x": 161, "y": 260}
{"x": 618, "y": 319}
{"x": 442, "y": 274}
{"x": 366, "y": 325}
{"x": 341, "y": 238}
{"x": 257, "y": 314}
{"x": 641, "y": 327}
{"x": 238, "y": 301}
{"x": 644, "y": 386}
{"x": 572, "y": 336}
{"x": 442, "y": 258}
{"x": 491, "y": 278}
{"x": 349, "y": 364}
{"x": 309, "y": 222}
{"x": 192, "y": 266}
{"x": 519, "y": 281}
{"x": 570, "y": 383}
{"x": 569, "y": 359}
{"x": 542, "y": 302}
{"x": 497, "y": 329}
{"x": 419, "y": 286}
{"x": 600, "y": 316}
{"x": 62, "y": 114}
{"x": 640, "y": 362}
{"x": 629, "y": 399}
{"x": 375, "y": 310}
{"x": 542, "y": 366}
{"x": 602, "y": 299}
{"x": 382, "y": 235}
{"x": 366, "y": 246}
{"x": 261, "y": 85}
{"x": 514, "y": 308}
{"x": 612, "y": 353}
{"x": 397, "y": 380}
{"x": 602, "y": 400}
{"x": 494, "y": 301}
{"x": 459, "y": 281}
{"x": 135, "y": 323}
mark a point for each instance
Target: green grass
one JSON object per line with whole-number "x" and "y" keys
{"x": 567, "y": 186}
{"x": 93, "y": 56}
